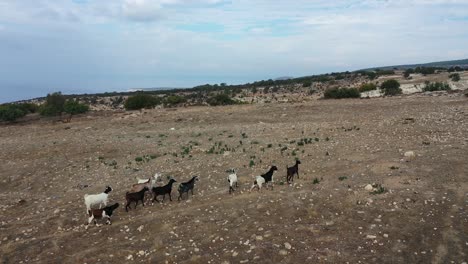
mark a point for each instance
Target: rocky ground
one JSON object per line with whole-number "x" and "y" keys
{"x": 327, "y": 216}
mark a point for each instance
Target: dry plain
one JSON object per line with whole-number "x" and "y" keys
{"x": 421, "y": 217}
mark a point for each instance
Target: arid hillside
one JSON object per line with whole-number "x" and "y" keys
{"x": 416, "y": 211}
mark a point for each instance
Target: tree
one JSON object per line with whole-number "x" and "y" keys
{"x": 391, "y": 87}
{"x": 53, "y": 105}
{"x": 73, "y": 107}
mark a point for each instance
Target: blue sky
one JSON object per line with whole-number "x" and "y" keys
{"x": 86, "y": 46}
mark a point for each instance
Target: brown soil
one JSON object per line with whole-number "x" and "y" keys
{"x": 421, "y": 218}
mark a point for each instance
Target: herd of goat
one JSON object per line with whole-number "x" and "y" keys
{"x": 138, "y": 191}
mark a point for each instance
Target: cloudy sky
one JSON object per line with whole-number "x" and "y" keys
{"x": 79, "y": 46}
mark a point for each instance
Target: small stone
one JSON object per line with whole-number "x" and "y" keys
{"x": 283, "y": 252}
{"x": 287, "y": 246}
{"x": 368, "y": 187}
{"x": 371, "y": 237}
{"x": 130, "y": 257}
{"x": 234, "y": 253}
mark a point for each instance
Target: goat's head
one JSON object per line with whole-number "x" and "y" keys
{"x": 298, "y": 162}
{"x": 108, "y": 189}
{"x": 172, "y": 180}
{"x": 274, "y": 168}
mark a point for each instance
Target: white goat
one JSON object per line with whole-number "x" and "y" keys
{"x": 232, "y": 179}
{"x": 93, "y": 199}
{"x": 156, "y": 178}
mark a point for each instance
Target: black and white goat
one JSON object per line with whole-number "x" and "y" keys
{"x": 105, "y": 212}
{"x": 291, "y": 171}
{"x": 264, "y": 179}
{"x": 135, "y": 197}
{"x": 185, "y": 187}
{"x": 163, "y": 190}
{"x": 232, "y": 179}
{"x": 94, "y": 199}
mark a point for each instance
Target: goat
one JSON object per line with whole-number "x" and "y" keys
{"x": 185, "y": 187}
{"x": 166, "y": 189}
{"x": 156, "y": 178}
{"x": 135, "y": 197}
{"x": 139, "y": 186}
{"x": 106, "y": 212}
{"x": 264, "y": 178}
{"x": 290, "y": 171}
{"x": 232, "y": 179}
{"x": 93, "y": 199}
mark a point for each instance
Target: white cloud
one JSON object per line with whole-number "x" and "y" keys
{"x": 142, "y": 10}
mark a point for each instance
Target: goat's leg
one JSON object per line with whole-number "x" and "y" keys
{"x": 143, "y": 202}
{"x": 170, "y": 197}
{"x": 236, "y": 185}
{"x": 192, "y": 192}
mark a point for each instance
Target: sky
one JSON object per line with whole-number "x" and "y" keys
{"x": 86, "y": 46}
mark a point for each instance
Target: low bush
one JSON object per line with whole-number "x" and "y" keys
{"x": 140, "y": 101}
{"x": 436, "y": 86}
{"x": 221, "y": 99}
{"x": 391, "y": 87}
{"x": 11, "y": 112}
{"x": 365, "y": 87}
{"x": 455, "y": 77}
{"x": 173, "y": 100}
{"x": 342, "y": 93}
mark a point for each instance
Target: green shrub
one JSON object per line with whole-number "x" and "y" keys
{"x": 73, "y": 107}
{"x": 53, "y": 105}
{"x": 11, "y": 112}
{"x": 342, "y": 93}
{"x": 140, "y": 101}
{"x": 436, "y": 86}
{"x": 455, "y": 77}
{"x": 221, "y": 99}
{"x": 391, "y": 87}
{"x": 173, "y": 100}
{"x": 367, "y": 87}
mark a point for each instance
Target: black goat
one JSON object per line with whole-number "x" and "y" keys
{"x": 163, "y": 190}
{"x": 185, "y": 187}
{"x": 105, "y": 212}
{"x": 291, "y": 171}
{"x": 135, "y": 197}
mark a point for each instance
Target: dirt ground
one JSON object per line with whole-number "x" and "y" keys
{"x": 421, "y": 217}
